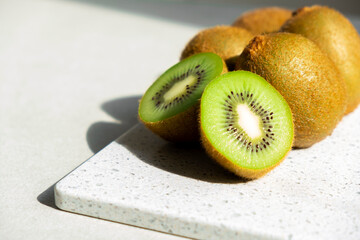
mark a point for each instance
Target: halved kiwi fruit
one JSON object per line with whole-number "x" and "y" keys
{"x": 169, "y": 107}
{"x": 246, "y": 125}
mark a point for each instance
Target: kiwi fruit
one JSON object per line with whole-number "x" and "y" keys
{"x": 337, "y": 37}
{"x": 170, "y": 106}
{"x": 246, "y": 125}
{"x": 226, "y": 41}
{"x": 306, "y": 78}
{"x": 263, "y": 20}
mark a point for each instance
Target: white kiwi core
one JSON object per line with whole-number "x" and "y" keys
{"x": 178, "y": 88}
{"x": 248, "y": 121}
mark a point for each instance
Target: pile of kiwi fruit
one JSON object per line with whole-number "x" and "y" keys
{"x": 274, "y": 80}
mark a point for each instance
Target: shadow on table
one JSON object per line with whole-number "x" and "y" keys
{"x": 102, "y": 133}
{"x": 187, "y": 160}
{"x": 210, "y": 12}
{"x": 124, "y": 110}
{"x": 47, "y": 197}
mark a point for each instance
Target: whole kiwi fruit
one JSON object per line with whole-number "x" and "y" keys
{"x": 226, "y": 41}
{"x": 246, "y": 125}
{"x": 306, "y": 78}
{"x": 169, "y": 107}
{"x": 263, "y": 20}
{"x": 337, "y": 37}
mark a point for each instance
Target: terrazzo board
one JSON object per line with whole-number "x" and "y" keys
{"x": 142, "y": 180}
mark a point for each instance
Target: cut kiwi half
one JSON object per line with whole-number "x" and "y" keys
{"x": 246, "y": 125}
{"x": 170, "y": 106}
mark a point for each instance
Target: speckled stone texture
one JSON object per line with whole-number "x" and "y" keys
{"x": 144, "y": 181}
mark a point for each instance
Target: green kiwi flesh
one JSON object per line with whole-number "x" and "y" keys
{"x": 168, "y": 107}
{"x": 246, "y": 125}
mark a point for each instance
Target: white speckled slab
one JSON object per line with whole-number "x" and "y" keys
{"x": 144, "y": 181}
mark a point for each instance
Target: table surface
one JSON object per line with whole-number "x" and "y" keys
{"x": 71, "y": 73}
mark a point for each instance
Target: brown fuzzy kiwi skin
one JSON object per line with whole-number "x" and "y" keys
{"x": 263, "y": 20}
{"x": 246, "y": 173}
{"x": 305, "y": 77}
{"x": 337, "y": 37}
{"x": 226, "y": 41}
{"x": 182, "y": 127}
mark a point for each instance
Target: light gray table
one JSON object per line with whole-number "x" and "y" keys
{"x": 71, "y": 73}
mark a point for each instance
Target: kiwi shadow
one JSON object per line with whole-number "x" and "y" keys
{"x": 124, "y": 110}
{"x": 187, "y": 160}
{"x": 101, "y": 134}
